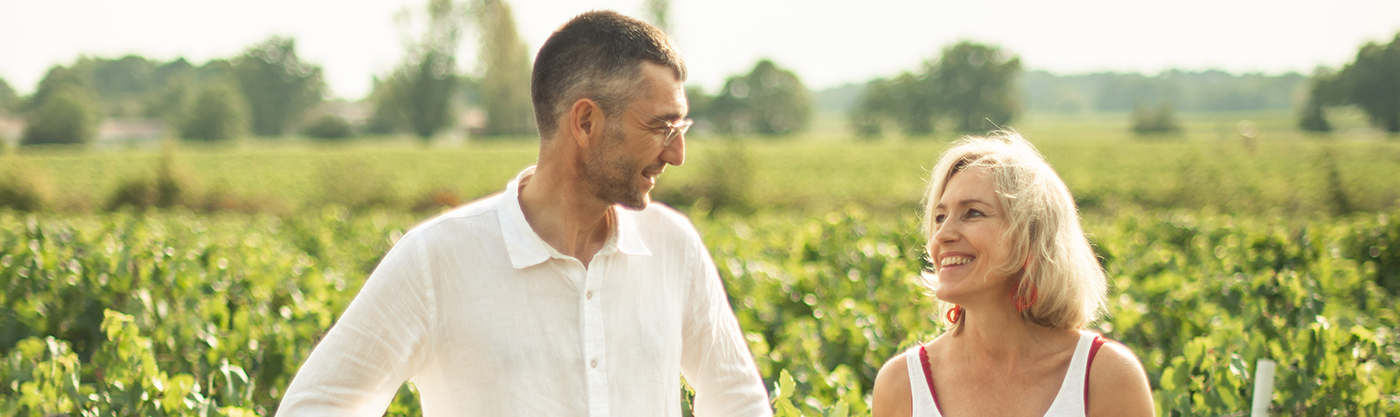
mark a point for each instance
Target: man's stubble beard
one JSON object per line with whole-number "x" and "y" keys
{"x": 613, "y": 178}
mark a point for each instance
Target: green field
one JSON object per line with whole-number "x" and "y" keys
{"x": 1209, "y": 166}
{"x": 1220, "y": 252}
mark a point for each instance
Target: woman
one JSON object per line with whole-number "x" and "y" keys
{"x": 1011, "y": 258}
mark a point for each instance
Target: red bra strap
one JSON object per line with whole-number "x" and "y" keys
{"x": 928, "y": 376}
{"x": 1093, "y": 350}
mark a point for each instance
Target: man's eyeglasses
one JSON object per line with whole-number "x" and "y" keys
{"x": 675, "y": 129}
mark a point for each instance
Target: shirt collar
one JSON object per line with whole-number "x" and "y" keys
{"x": 629, "y": 240}
{"x": 527, "y": 249}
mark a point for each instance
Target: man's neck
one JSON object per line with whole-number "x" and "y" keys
{"x": 565, "y": 217}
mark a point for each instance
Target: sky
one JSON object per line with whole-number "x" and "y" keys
{"x": 826, "y": 42}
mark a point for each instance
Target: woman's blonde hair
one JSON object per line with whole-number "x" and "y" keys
{"x": 1049, "y": 250}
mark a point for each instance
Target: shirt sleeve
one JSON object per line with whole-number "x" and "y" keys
{"x": 715, "y": 360}
{"x": 378, "y": 343}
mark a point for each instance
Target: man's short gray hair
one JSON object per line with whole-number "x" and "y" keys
{"x": 596, "y": 53}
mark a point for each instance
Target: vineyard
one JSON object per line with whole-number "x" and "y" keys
{"x": 176, "y": 313}
{"x": 207, "y": 299}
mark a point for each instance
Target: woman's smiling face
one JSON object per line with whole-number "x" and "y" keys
{"x": 968, "y": 244}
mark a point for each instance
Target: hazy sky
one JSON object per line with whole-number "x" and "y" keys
{"x": 825, "y": 42}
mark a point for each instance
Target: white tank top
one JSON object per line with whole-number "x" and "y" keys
{"x": 1068, "y": 402}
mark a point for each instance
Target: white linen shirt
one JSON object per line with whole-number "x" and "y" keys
{"x": 488, "y": 320}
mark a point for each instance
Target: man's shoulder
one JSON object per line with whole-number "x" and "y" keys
{"x": 477, "y": 213}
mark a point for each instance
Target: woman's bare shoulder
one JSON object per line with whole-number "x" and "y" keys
{"x": 892, "y": 397}
{"x": 1117, "y": 384}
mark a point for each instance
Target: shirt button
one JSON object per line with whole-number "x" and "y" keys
{"x": 593, "y": 363}
{"x": 588, "y": 295}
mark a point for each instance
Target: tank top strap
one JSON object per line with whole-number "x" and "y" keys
{"x": 1070, "y": 401}
{"x": 921, "y": 382}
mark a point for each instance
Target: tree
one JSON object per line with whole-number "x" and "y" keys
{"x": 219, "y": 113}
{"x": 177, "y": 83}
{"x": 417, "y": 95}
{"x": 120, "y": 84}
{"x": 878, "y": 100}
{"x": 1312, "y": 119}
{"x": 1159, "y": 119}
{"x": 907, "y": 100}
{"x": 58, "y": 78}
{"x": 976, "y": 84}
{"x": 970, "y": 83}
{"x": 279, "y": 87}
{"x": 1374, "y": 83}
{"x": 171, "y": 103}
{"x": 505, "y": 87}
{"x": 768, "y": 100}
{"x": 67, "y": 115}
{"x": 1371, "y": 82}
{"x": 1325, "y": 90}
{"x": 659, "y": 12}
{"x": 9, "y": 99}
{"x": 328, "y": 126}
{"x": 62, "y": 110}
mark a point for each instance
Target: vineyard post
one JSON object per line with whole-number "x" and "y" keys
{"x": 1263, "y": 387}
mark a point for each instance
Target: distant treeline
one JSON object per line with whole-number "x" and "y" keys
{"x": 269, "y": 91}
{"x": 1188, "y": 91}
{"x": 1213, "y": 90}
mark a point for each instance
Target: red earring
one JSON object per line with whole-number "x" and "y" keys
{"x": 1023, "y": 303}
{"x": 954, "y": 314}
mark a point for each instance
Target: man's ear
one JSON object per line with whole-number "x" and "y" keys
{"x": 586, "y": 122}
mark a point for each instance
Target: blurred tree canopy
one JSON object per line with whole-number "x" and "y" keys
{"x": 976, "y": 85}
{"x": 417, "y": 95}
{"x": 659, "y": 12}
{"x": 328, "y": 126}
{"x": 219, "y": 113}
{"x": 62, "y": 110}
{"x": 66, "y": 117}
{"x": 133, "y": 86}
{"x": 9, "y": 99}
{"x": 505, "y": 87}
{"x": 56, "y": 79}
{"x": 278, "y": 86}
{"x": 1155, "y": 120}
{"x": 121, "y": 83}
{"x": 422, "y": 94}
{"x": 1322, "y": 91}
{"x": 1210, "y": 90}
{"x": 907, "y": 100}
{"x": 972, "y": 84}
{"x": 1371, "y": 82}
{"x": 194, "y": 100}
{"x": 768, "y": 101}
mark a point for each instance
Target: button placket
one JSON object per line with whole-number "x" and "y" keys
{"x": 595, "y": 345}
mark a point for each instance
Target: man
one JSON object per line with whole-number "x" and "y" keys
{"x": 547, "y": 299}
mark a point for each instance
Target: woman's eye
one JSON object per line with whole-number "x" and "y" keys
{"x": 974, "y": 213}
{"x": 938, "y": 219}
